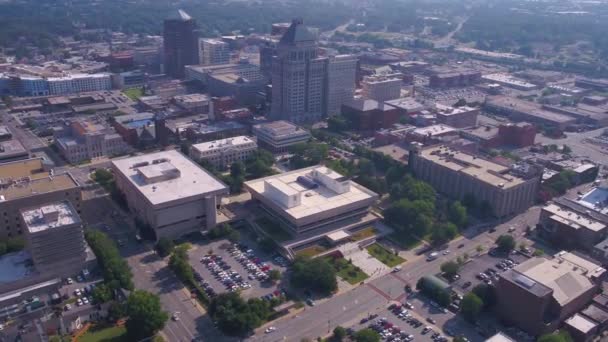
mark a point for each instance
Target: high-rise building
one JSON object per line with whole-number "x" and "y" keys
{"x": 341, "y": 73}
{"x": 298, "y": 77}
{"x": 180, "y": 43}
{"x": 55, "y": 238}
{"x": 213, "y": 51}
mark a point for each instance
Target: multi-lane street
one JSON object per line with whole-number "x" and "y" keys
{"x": 372, "y": 297}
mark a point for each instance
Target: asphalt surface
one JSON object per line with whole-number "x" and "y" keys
{"x": 151, "y": 273}
{"x": 349, "y": 308}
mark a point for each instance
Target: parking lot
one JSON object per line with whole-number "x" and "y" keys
{"x": 77, "y": 291}
{"x": 471, "y": 272}
{"x": 222, "y": 266}
{"x": 410, "y": 320}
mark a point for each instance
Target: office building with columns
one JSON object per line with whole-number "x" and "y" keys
{"x": 169, "y": 192}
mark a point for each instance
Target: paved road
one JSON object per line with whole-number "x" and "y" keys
{"x": 151, "y": 273}
{"x": 348, "y": 308}
{"x": 576, "y": 142}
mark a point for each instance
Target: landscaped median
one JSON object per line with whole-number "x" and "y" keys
{"x": 384, "y": 255}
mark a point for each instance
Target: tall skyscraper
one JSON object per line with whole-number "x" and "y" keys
{"x": 341, "y": 79}
{"x": 180, "y": 43}
{"x": 298, "y": 77}
{"x": 305, "y": 86}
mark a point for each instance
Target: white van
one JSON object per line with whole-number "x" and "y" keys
{"x": 432, "y": 256}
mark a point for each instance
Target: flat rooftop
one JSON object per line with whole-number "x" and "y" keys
{"x": 49, "y": 216}
{"x": 223, "y": 143}
{"x": 449, "y": 110}
{"x": 11, "y": 148}
{"x": 508, "y": 79}
{"x": 580, "y": 323}
{"x": 29, "y": 183}
{"x": 596, "y": 199}
{"x": 474, "y": 166}
{"x": 315, "y": 196}
{"x": 168, "y": 176}
{"x": 434, "y": 130}
{"x": 408, "y": 104}
{"x": 567, "y": 280}
{"x": 528, "y": 108}
{"x": 573, "y": 219}
{"x": 32, "y": 167}
{"x": 280, "y": 129}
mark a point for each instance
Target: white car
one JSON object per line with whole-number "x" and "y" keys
{"x": 269, "y": 330}
{"x": 85, "y": 300}
{"x": 79, "y": 302}
{"x": 77, "y": 292}
{"x": 446, "y": 252}
{"x": 175, "y": 316}
{"x": 70, "y": 281}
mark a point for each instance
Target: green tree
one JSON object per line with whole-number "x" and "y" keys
{"x": 505, "y": 243}
{"x": 102, "y": 293}
{"x": 180, "y": 264}
{"x": 339, "y": 334}
{"x": 471, "y": 307}
{"x": 164, "y": 246}
{"x": 146, "y": 316}
{"x": 560, "y": 336}
{"x": 367, "y": 335}
{"x": 457, "y": 214}
{"x": 115, "y": 270}
{"x": 116, "y": 311}
{"x": 316, "y": 275}
{"x": 487, "y": 294}
{"x": 237, "y": 169}
{"x": 274, "y": 275}
{"x": 450, "y": 268}
{"x": 236, "y": 317}
{"x": 443, "y": 232}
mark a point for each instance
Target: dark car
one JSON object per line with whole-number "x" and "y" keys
{"x": 430, "y": 320}
{"x": 467, "y": 284}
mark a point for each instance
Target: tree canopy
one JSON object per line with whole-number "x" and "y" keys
{"x": 146, "y": 316}
{"x": 235, "y": 316}
{"x": 505, "y": 243}
{"x": 367, "y": 335}
{"x": 471, "y": 306}
{"x": 316, "y": 275}
{"x": 116, "y": 271}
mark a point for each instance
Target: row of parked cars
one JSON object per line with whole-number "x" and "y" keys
{"x": 389, "y": 332}
{"x": 253, "y": 264}
{"x": 223, "y": 272}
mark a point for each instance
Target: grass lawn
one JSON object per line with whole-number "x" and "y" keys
{"x": 110, "y": 334}
{"x": 384, "y": 255}
{"x": 311, "y": 251}
{"x": 273, "y": 229}
{"x": 404, "y": 241}
{"x": 347, "y": 271}
{"x": 363, "y": 233}
{"x": 134, "y": 93}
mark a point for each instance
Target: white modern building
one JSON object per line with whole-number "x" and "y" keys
{"x": 277, "y": 136}
{"x": 381, "y": 88}
{"x": 341, "y": 79}
{"x": 213, "y": 51}
{"x": 78, "y": 83}
{"x": 169, "y": 192}
{"x": 313, "y": 200}
{"x": 222, "y": 153}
